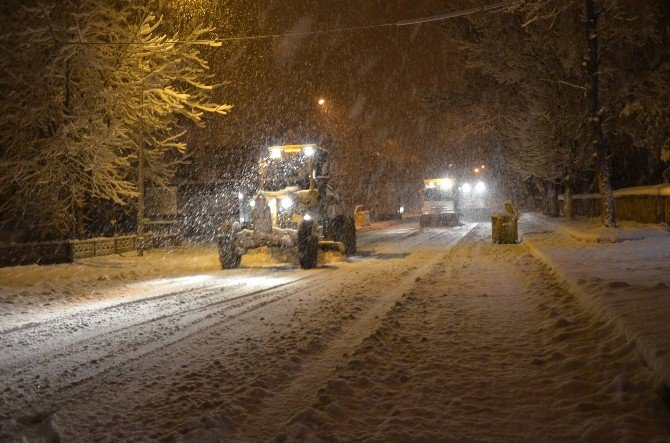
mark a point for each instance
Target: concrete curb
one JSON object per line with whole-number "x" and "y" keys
{"x": 649, "y": 353}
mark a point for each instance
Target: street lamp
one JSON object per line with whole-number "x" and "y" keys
{"x": 322, "y": 101}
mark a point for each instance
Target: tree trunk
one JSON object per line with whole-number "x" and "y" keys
{"x": 567, "y": 201}
{"x": 140, "y": 201}
{"x": 542, "y": 192}
{"x": 595, "y": 118}
{"x": 552, "y": 200}
{"x": 567, "y": 182}
{"x": 79, "y": 220}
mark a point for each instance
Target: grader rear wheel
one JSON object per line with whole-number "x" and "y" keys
{"x": 308, "y": 245}
{"x": 343, "y": 229}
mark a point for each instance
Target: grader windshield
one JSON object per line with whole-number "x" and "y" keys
{"x": 291, "y": 165}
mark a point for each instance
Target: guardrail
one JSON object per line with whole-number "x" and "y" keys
{"x": 67, "y": 251}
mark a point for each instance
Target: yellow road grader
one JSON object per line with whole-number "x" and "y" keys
{"x": 293, "y": 208}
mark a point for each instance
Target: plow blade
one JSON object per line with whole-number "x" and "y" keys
{"x": 438, "y": 220}
{"x": 334, "y": 246}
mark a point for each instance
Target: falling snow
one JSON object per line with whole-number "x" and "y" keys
{"x": 279, "y": 170}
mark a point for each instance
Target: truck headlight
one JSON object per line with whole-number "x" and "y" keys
{"x": 308, "y": 151}
{"x": 466, "y": 188}
{"x": 286, "y": 203}
{"x": 480, "y": 187}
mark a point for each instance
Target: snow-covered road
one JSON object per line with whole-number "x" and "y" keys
{"x": 426, "y": 334}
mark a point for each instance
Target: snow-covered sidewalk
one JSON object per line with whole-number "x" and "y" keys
{"x": 622, "y": 275}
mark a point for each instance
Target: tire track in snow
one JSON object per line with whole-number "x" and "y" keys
{"x": 59, "y": 374}
{"x": 509, "y": 356}
{"x": 81, "y": 361}
{"x": 88, "y": 324}
{"x": 323, "y": 365}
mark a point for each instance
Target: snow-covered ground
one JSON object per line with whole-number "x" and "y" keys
{"x": 47, "y": 290}
{"x": 487, "y": 346}
{"x": 425, "y": 335}
{"x": 625, "y": 277}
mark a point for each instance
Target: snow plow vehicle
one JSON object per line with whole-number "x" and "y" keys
{"x": 294, "y": 209}
{"x": 440, "y": 203}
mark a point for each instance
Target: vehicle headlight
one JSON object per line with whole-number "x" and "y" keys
{"x": 466, "y": 188}
{"x": 286, "y": 202}
{"x": 276, "y": 152}
{"x": 480, "y": 187}
{"x": 308, "y": 151}
{"x": 307, "y": 217}
{"x": 252, "y": 203}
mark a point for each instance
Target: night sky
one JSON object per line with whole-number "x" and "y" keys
{"x": 373, "y": 79}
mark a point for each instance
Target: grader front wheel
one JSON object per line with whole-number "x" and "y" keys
{"x": 229, "y": 256}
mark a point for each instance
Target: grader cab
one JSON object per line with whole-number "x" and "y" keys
{"x": 294, "y": 208}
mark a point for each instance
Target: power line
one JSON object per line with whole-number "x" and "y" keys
{"x": 434, "y": 18}
{"x": 217, "y": 41}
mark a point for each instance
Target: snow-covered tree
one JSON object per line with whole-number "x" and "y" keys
{"x": 641, "y": 110}
{"x": 527, "y": 90}
{"x": 565, "y": 85}
{"x": 87, "y": 86}
{"x": 626, "y": 87}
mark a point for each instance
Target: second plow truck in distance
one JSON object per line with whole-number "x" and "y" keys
{"x": 440, "y": 203}
{"x": 294, "y": 209}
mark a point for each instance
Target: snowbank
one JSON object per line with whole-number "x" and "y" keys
{"x": 627, "y": 283}
{"x": 591, "y": 230}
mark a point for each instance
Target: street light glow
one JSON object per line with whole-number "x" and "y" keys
{"x": 322, "y": 101}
